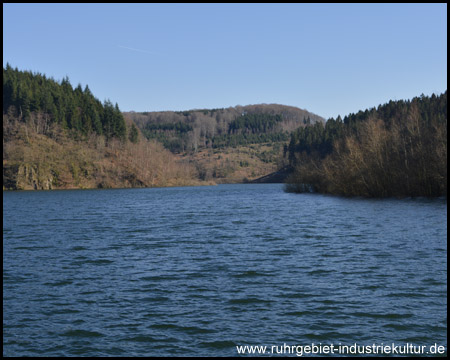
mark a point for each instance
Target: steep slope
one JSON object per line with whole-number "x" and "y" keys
{"x": 58, "y": 137}
{"x": 34, "y": 161}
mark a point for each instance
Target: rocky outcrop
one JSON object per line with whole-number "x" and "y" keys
{"x": 26, "y": 177}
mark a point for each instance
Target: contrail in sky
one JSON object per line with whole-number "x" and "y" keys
{"x": 139, "y": 50}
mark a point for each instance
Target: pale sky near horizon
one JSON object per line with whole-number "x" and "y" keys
{"x": 331, "y": 59}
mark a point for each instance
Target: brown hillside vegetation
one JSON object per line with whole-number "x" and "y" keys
{"x": 398, "y": 149}
{"x": 219, "y": 151}
{"x": 237, "y": 164}
{"x": 52, "y": 158}
{"x": 59, "y": 136}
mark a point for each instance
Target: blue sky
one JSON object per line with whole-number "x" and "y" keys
{"x": 331, "y": 59}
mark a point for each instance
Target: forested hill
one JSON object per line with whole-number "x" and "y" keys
{"x": 25, "y": 94}
{"x": 190, "y": 130}
{"x": 396, "y": 149}
{"x": 56, "y": 136}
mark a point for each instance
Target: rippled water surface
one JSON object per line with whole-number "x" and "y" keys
{"x": 199, "y": 270}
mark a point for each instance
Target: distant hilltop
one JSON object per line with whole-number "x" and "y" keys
{"x": 211, "y": 128}
{"x": 288, "y": 113}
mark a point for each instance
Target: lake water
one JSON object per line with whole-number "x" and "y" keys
{"x": 200, "y": 270}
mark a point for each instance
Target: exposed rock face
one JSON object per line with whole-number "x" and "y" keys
{"x": 26, "y": 177}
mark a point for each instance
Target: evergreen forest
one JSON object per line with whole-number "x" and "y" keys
{"x": 56, "y": 136}
{"x": 397, "y": 149}
{"x": 27, "y": 94}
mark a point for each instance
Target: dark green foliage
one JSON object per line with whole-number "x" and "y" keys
{"x": 76, "y": 109}
{"x": 218, "y": 128}
{"x": 184, "y": 113}
{"x": 254, "y": 123}
{"x": 172, "y": 135}
{"x": 245, "y": 129}
{"x": 176, "y": 143}
{"x": 316, "y": 139}
{"x": 133, "y": 136}
{"x": 397, "y": 149}
{"x": 320, "y": 139}
{"x": 178, "y": 127}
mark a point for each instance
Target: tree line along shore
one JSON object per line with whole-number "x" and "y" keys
{"x": 56, "y": 136}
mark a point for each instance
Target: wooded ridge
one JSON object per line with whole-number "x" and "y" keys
{"x": 56, "y": 136}
{"x": 59, "y": 136}
{"x": 397, "y": 149}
